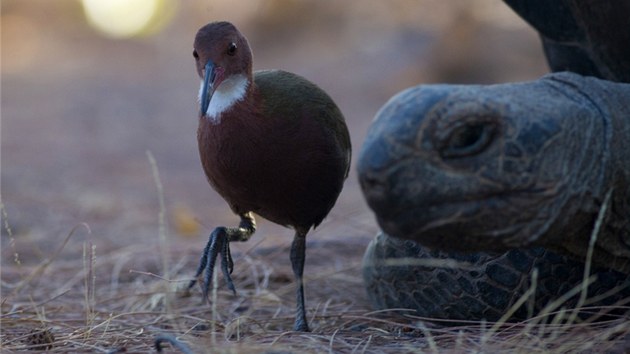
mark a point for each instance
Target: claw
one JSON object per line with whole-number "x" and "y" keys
{"x": 230, "y": 262}
{"x": 218, "y": 244}
{"x": 227, "y": 266}
{"x": 202, "y": 265}
{"x": 212, "y": 257}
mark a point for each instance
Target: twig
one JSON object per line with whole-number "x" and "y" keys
{"x": 173, "y": 341}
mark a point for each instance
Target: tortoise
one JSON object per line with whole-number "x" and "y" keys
{"x": 508, "y": 178}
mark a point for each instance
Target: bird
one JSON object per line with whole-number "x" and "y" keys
{"x": 271, "y": 143}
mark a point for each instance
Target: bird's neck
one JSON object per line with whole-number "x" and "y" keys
{"x": 232, "y": 90}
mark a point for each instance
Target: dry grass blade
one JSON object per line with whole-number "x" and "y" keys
{"x": 89, "y": 264}
{"x": 162, "y": 235}
{"x": 589, "y": 255}
{"x": 7, "y": 228}
{"x": 39, "y": 270}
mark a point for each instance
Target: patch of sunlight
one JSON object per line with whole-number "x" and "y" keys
{"x": 128, "y": 18}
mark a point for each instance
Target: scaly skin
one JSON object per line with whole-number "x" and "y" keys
{"x": 479, "y": 285}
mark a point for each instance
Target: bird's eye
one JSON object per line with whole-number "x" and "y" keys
{"x": 231, "y": 49}
{"x": 195, "y": 54}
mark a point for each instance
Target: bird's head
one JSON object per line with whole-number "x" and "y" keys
{"x": 224, "y": 63}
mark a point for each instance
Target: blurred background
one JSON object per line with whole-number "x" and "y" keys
{"x": 88, "y": 87}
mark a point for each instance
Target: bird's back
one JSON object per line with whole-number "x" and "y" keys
{"x": 285, "y": 93}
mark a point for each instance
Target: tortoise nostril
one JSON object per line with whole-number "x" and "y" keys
{"x": 378, "y": 194}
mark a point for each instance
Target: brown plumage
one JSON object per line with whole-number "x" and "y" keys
{"x": 270, "y": 142}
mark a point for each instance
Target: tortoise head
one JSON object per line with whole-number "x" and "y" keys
{"x": 483, "y": 167}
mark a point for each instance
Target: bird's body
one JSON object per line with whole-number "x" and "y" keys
{"x": 287, "y": 146}
{"x": 270, "y": 142}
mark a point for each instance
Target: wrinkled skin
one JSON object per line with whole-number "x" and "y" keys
{"x": 502, "y": 179}
{"x": 492, "y": 168}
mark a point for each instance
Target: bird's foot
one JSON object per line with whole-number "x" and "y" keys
{"x": 218, "y": 244}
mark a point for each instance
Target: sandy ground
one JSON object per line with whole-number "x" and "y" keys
{"x": 80, "y": 111}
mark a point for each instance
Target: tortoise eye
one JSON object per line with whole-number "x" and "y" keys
{"x": 231, "y": 49}
{"x": 195, "y": 54}
{"x": 468, "y": 139}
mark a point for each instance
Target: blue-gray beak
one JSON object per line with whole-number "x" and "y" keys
{"x": 208, "y": 87}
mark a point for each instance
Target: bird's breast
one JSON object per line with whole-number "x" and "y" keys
{"x": 269, "y": 165}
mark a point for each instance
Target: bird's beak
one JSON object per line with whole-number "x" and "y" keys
{"x": 208, "y": 86}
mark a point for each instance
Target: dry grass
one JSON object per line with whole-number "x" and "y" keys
{"x": 94, "y": 303}
{"x": 91, "y": 304}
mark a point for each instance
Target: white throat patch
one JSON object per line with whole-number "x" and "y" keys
{"x": 230, "y": 91}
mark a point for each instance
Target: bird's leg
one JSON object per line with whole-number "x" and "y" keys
{"x": 219, "y": 244}
{"x": 298, "y": 248}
